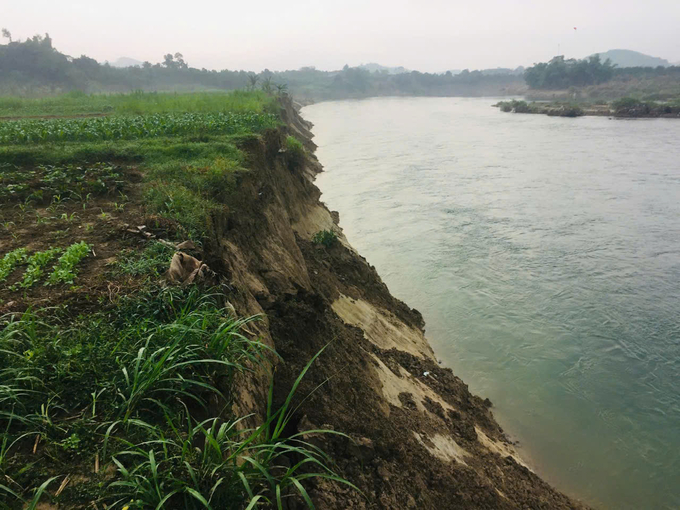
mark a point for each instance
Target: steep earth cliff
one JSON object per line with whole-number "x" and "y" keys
{"x": 419, "y": 438}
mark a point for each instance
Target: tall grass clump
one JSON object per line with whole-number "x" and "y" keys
{"x": 145, "y": 387}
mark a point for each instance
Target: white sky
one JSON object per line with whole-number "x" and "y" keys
{"x": 427, "y": 35}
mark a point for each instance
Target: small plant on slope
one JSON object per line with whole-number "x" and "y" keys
{"x": 295, "y": 151}
{"x": 65, "y": 271}
{"x": 326, "y": 238}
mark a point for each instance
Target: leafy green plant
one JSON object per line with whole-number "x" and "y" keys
{"x": 133, "y": 127}
{"x": 326, "y": 238}
{"x": 10, "y": 261}
{"x": 65, "y": 271}
{"x": 36, "y": 265}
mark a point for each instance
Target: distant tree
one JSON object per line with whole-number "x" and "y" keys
{"x": 252, "y": 80}
{"x": 267, "y": 85}
{"x": 146, "y": 64}
{"x": 561, "y": 73}
{"x": 169, "y": 61}
{"x": 281, "y": 88}
{"x": 179, "y": 59}
{"x": 7, "y": 34}
{"x": 175, "y": 61}
{"x": 86, "y": 64}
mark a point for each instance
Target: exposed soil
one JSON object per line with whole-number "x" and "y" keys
{"x": 106, "y": 222}
{"x": 419, "y": 439}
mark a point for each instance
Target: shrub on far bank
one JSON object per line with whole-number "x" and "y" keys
{"x": 633, "y": 107}
{"x": 567, "y": 110}
{"x": 518, "y": 106}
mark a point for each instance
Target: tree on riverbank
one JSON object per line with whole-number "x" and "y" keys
{"x": 562, "y": 74}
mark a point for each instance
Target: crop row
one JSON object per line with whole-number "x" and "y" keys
{"x": 133, "y": 127}
{"x": 45, "y": 181}
{"x": 64, "y": 271}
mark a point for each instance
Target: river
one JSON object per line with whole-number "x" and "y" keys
{"x": 544, "y": 255}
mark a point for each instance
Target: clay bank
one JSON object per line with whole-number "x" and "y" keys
{"x": 417, "y": 438}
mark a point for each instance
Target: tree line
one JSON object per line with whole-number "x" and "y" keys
{"x": 560, "y": 73}
{"x": 35, "y": 67}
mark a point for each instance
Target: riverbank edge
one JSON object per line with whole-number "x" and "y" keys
{"x": 418, "y": 436}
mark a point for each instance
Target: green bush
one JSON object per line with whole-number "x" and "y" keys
{"x": 517, "y": 106}
{"x": 571, "y": 110}
{"x": 326, "y": 238}
{"x": 521, "y": 107}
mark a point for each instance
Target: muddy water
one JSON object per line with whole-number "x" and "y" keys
{"x": 544, "y": 254}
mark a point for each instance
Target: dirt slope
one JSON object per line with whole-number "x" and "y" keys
{"x": 420, "y": 439}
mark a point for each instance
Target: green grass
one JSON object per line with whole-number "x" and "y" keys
{"x": 153, "y": 261}
{"x": 138, "y": 103}
{"x": 187, "y": 178}
{"x": 144, "y": 386}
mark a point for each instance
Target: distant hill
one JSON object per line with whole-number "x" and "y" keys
{"x": 629, "y": 58}
{"x": 126, "y": 62}
{"x": 377, "y": 68}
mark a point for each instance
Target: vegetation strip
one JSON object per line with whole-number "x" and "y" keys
{"x": 140, "y": 385}
{"x": 65, "y": 271}
{"x": 36, "y": 265}
{"x": 132, "y": 128}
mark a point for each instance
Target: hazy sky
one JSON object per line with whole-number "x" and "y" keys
{"x": 427, "y": 35}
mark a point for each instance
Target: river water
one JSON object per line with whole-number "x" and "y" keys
{"x": 544, "y": 255}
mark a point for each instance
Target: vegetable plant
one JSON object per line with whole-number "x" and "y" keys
{"x": 65, "y": 270}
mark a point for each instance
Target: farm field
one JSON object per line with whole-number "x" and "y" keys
{"x": 109, "y": 377}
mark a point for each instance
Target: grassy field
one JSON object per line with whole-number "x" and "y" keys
{"x": 139, "y": 103}
{"x": 115, "y": 389}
